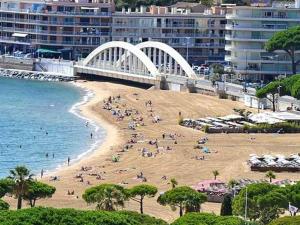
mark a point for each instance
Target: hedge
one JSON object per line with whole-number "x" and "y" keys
{"x": 207, "y": 219}
{"x": 51, "y": 216}
{"x": 287, "y": 220}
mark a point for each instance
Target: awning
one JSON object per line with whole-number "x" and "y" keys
{"x": 43, "y": 50}
{"x": 89, "y": 8}
{"x": 19, "y": 35}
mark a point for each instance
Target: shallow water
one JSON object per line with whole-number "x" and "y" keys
{"x": 36, "y": 119}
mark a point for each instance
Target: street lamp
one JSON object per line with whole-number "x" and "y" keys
{"x": 246, "y": 205}
{"x": 187, "y": 48}
{"x": 277, "y": 67}
{"x": 279, "y": 91}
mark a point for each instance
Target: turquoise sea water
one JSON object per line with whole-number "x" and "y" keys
{"x": 37, "y": 118}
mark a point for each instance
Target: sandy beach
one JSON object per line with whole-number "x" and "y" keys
{"x": 229, "y": 151}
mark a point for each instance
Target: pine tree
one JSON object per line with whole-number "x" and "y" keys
{"x": 226, "y": 208}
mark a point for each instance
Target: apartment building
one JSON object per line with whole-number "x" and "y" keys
{"x": 72, "y": 27}
{"x": 193, "y": 30}
{"x": 248, "y": 29}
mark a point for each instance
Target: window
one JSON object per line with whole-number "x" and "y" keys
{"x": 268, "y": 14}
{"x": 282, "y": 14}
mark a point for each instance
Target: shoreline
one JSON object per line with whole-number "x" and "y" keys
{"x": 84, "y": 110}
{"x": 76, "y": 109}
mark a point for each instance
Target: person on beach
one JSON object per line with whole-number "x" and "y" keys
{"x": 87, "y": 123}
{"x": 47, "y": 155}
{"x": 69, "y": 161}
{"x": 91, "y": 135}
{"x": 42, "y": 173}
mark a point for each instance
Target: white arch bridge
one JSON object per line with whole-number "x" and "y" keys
{"x": 148, "y": 62}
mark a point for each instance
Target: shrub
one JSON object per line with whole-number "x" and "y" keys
{"x": 180, "y": 120}
{"x": 51, "y": 216}
{"x": 207, "y": 219}
{"x": 3, "y": 205}
{"x": 287, "y": 127}
{"x": 287, "y": 220}
{"x": 233, "y": 98}
{"x": 223, "y": 95}
{"x": 206, "y": 129}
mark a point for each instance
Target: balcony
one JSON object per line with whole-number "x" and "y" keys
{"x": 261, "y": 71}
{"x": 166, "y": 26}
{"x": 229, "y": 37}
{"x": 31, "y": 42}
{"x": 58, "y": 33}
{"x": 56, "y": 13}
{"x": 52, "y": 22}
{"x": 262, "y": 17}
{"x": 262, "y": 27}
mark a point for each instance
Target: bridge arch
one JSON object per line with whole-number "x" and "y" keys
{"x": 108, "y": 56}
{"x": 163, "y": 55}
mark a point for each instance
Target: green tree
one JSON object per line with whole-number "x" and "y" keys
{"x": 174, "y": 182}
{"x": 3, "y": 205}
{"x": 288, "y": 41}
{"x": 6, "y": 186}
{"x": 107, "y": 196}
{"x": 293, "y": 194}
{"x": 185, "y": 198}
{"x": 226, "y": 208}
{"x": 270, "y": 89}
{"x": 287, "y": 220}
{"x": 207, "y": 3}
{"x": 207, "y": 219}
{"x": 52, "y": 216}
{"x": 20, "y": 176}
{"x": 38, "y": 190}
{"x": 215, "y": 173}
{"x": 265, "y": 202}
{"x": 270, "y": 175}
{"x": 295, "y": 91}
{"x": 139, "y": 192}
{"x": 232, "y": 183}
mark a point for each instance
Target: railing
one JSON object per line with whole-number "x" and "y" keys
{"x": 267, "y": 27}
{"x": 46, "y": 12}
{"x": 39, "y": 41}
{"x": 188, "y": 35}
{"x": 228, "y": 37}
{"x": 262, "y": 15}
{"x": 165, "y": 35}
{"x": 51, "y": 22}
{"x": 62, "y": 33}
{"x": 163, "y": 25}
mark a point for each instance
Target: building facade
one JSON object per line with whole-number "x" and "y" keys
{"x": 198, "y": 34}
{"x": 248, "y": 29}
{"x": 75, "y": 27}
{"x": 72, "y": 27}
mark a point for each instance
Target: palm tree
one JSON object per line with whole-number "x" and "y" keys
{"x": 174, "y": 182}
{"x": 270, "y": 175}
{"x": 215, "y": 173}
{"x": 232, "y": 183}
{"x": 20, "y": 176}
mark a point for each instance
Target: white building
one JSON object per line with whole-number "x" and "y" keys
{"x": 248, "y": 29}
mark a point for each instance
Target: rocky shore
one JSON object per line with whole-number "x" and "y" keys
{"x": 34, "y": 75}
